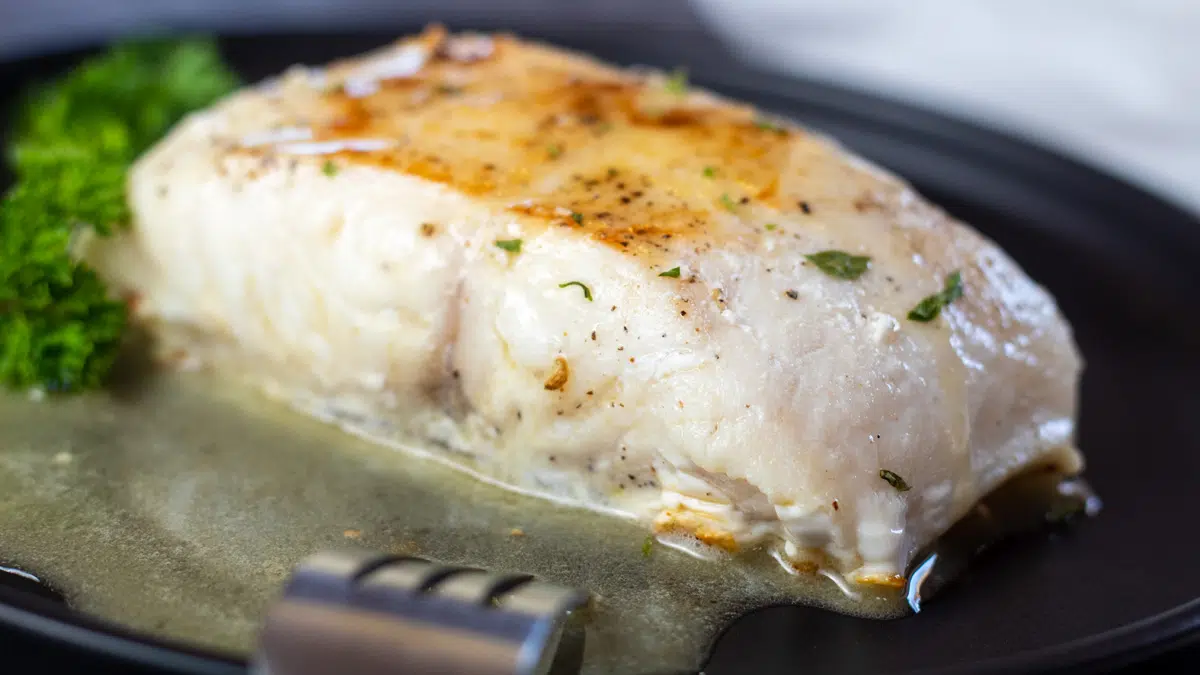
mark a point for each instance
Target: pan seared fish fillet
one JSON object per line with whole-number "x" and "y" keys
{"x": 594, "y": 285}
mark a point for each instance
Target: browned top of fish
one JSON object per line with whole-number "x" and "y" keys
{"x": 633, "y": 158}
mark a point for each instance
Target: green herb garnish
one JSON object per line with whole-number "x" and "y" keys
{"x": 929, "y": 308}
{"x": 728, "y": 203}
{"x": 510, "y": 245}
{"x": 840, "y": 264}
{"x": 73, "y": 144}
{"x": 894, "y": 480}
{"x": 554, "y": 150}
{"x": 678, "y": 82}
{"x": 647, "y": 546}
{"x": 771, "y": 227}
{"x": 577, "y": 217}
{"x": 710, "y": 172}
{"x": 768, "y": 125}
{"x": 673, "y": 273}
{"x": 587, "y": 292}
{"x": 329, "y": 168}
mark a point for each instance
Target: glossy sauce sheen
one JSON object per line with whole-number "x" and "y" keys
{"x": 180, "y": 507}
{"x": 463, "y": 239}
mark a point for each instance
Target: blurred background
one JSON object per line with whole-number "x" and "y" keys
{"x": 1114, "y": 82}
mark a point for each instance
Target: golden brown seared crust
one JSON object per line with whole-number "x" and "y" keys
{"x": 631, "y": 161}
{"x": 629, "y": 158}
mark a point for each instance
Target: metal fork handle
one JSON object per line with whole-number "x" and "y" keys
{"x": 355, "y": 613}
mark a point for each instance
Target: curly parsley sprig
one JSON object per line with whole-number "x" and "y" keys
{"x": 74, "y": 143}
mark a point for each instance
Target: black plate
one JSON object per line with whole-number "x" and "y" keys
{"x": 1123, "y": 265}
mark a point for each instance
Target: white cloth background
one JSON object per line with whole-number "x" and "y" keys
{"x": 1115, "y": 82}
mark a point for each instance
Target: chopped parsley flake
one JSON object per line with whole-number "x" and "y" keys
{"x": 647, "y": 546}
{"x": 771, "y": 227}
{"x": 840, "y": 264}
{"x": 554, "y": 150}
{"x": 577, "y": 217}
{"x": 510, "y": 245}
{"x": 329, "y": 168}
{"x": 673, "y": 273}
{"x": 728, "y": 203}
{"x": 678, "y": 82}
{"x": 768, "y": 125}
{"x": 587, "y": 292}
{"x": 929, "y": 308}
{"x": 710, "y": 172}
{"x": 894, "y": 480}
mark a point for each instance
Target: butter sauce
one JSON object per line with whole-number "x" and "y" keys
{"x": 180, "y": 507}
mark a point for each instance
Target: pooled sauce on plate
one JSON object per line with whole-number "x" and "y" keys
{"x": 180, "y": 509}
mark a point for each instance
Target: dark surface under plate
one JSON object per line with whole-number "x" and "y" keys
{"x": 1123, "y": 266}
